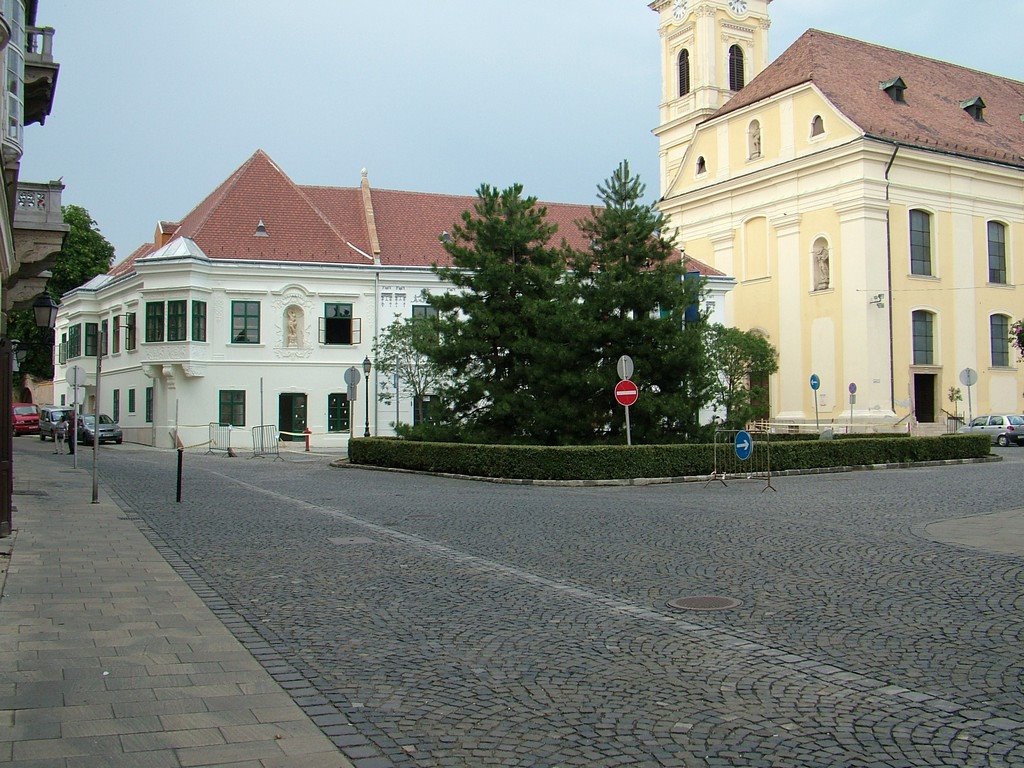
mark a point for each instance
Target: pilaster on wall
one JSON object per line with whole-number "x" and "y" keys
{"x": 724, "y": 244}
{"x": 866, "y": 332}
{"x": 789, "y": 388}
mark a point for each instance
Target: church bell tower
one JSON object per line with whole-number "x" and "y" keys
{"x": 710, "y": 49}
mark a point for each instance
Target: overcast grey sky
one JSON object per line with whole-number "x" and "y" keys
{"x": 158, "y": 101}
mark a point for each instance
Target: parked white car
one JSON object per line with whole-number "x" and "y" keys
{"x": 1002, "y": 428}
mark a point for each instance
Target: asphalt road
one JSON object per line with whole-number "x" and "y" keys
{"x": 459, "y": 623}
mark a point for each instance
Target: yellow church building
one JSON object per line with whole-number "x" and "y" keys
{"x": 868, "y": 202}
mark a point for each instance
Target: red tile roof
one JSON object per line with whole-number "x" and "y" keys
{"x": 329, "y": 224}
{"x": 849, "y": 72}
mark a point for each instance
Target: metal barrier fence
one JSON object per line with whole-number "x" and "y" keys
{"x": 742, "y": 454}
{"x": 265, "y": 441}
{"x": 220, "y": 439}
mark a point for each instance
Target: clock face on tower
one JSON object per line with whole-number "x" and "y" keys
{"x": 738, "y": 6}
{"x": 678, "y": 9}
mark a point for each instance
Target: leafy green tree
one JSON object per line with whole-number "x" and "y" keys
{"x": 633, "y": 299}
{"x": 497, "y": 332}
{"x": 397, "y": 351}
{"x": 741, "y": 360}
{"x": 1017, "y": 337}
{"x": 86, "y": 253}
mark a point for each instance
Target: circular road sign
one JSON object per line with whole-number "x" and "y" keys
{"x": 625, "y": 367}
{"x": 968, "y": 377}
{"x": 744, "y": 445}
{"x": 626, "y": 393}
{"x": 76, "y": 376}
{"x": 352, "y": 376}
{"x": 815, "y": 382}
{"x": 853, "y": 388}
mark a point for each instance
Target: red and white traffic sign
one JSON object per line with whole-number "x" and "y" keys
{"x": 626, "y": 393}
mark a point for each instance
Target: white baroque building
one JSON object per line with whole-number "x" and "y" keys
{"x": 250, "y": 309}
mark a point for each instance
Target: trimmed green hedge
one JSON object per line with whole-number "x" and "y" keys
{"x": 609, "y": 462}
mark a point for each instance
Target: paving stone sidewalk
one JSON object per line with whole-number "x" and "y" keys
{"x": 109, "y": 656}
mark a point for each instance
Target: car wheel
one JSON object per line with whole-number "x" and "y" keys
{"x": 1002, "y": 441}
{"x": 118, "y": 441}
{"x": 42, "y": 437}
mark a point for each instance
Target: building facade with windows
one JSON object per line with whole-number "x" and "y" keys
{"x": 249, "y": 311}
{"x": 869, "y": 203}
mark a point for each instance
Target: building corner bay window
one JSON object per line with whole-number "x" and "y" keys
{"x": 176, "y": 327}
{"x": 154, "y": 321}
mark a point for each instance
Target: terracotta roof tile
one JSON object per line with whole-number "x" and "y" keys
{"x": 849, "y": 72}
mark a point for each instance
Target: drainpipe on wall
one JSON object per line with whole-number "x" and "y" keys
{"x": 376, "y": 369}
{"x": 888, "y": 269}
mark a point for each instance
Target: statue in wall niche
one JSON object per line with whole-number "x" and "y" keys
{"x": 821, "y": 266}
{"x": 292, "y": 333}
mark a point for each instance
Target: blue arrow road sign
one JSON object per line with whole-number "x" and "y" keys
{"x": 815, "y": 382}
{"x": 744, "y": 445}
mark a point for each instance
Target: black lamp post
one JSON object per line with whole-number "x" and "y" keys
{"x": 366, "y": 371}
{"x": 45, "y": 309}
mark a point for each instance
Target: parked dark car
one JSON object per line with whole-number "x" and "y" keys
{"x": 110, "y": 430}
{"x": 26, "y": 418}
{"x": 49, "y": 418}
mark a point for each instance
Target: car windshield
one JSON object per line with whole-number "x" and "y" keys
{"x": 90, "y": 419}
{"x": 25, "y": 410}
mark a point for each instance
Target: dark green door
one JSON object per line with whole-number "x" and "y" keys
{"x": 291, "y": 415}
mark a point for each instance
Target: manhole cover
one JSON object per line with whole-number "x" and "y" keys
{"x": 704, "y": 603}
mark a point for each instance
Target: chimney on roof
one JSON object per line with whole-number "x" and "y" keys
{"x": 974, "y": 107}
{"x": 261, "y": 230}
{"x": 894, "y": 88}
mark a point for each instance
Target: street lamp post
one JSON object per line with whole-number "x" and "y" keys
{"x": 45, "y": 310}
{"x": 366, "y": 371}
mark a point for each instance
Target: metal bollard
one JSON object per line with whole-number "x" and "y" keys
{"x": 308, "y": 432}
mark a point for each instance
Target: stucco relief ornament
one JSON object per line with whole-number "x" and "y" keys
{"x": 293, "y": 333}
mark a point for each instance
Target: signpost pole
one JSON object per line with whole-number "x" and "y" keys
{"x": 629, "y": 437}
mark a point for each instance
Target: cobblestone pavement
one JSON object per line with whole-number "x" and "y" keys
{"x": 440, "y": 622}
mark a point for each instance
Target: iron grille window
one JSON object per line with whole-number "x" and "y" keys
{"x": 149, "y": 405}
{"x": 74, "y": 341}
{"x": 91, "y": 334}
{"x": 116, "y": 407}
{"x": 338, "y": 412}
{"x": 338, "y": 326}
{"x": 231, "y": 409}
{"x": 154, "y": 321}
{"x": 131, "y": 400}
{"x": 176, "y": 328}
{"x": 923, "y": 338}
{"x": 920, "y": 243}
{"x": 198, "y": 321}
{"x": 996, "y": 253}
{"x": 999, "y": 330}
{"x": 736, "y": 77}
{"x": 684, "y": 72}
{"x": 245, "y": 322}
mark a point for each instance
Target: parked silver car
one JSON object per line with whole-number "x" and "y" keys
{"x": 110, "y": 430}
{"x": 1002, "y": 428}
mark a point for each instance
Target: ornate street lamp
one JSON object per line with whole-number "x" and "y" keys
{"x": 366, "y": 371}
{"x": 45, "y": 310}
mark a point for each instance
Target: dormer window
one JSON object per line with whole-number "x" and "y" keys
{"x": 261, "y": 229}
{"x": 894, "y": 88}
{"x": 702, "y": 167}
{"x": 974, "y": 107}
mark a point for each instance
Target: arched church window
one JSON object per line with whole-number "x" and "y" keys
{"x": 702, "y": 166}
{"x": 736, "y": 81}
{"x": 817, "y": 126}
{"x": 684, "y": 72}
{"x": 754, "y": 140}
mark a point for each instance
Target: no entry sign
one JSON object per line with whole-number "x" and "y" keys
{"x": 626, "y": 392}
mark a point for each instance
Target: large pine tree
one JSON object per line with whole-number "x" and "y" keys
{"x": 633, "y": 300}
{"x": 498, "y": 331}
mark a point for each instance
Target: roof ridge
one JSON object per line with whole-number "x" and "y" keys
{"x": 218, "y": 194}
